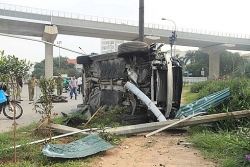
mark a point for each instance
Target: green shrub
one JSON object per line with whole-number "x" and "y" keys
{"x": 239, "y": 90}
{"x": 239, "y": 100}
{"x": 240, "y": 140}
{"x": 198, "y": 86}
{"x": 236, "y": 86}
{"x": 229, "y": 146}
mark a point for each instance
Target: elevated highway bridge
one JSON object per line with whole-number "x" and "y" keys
{"x": 21, "y": 20}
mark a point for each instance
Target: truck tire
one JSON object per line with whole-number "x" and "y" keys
{"x": 83, "y": 60}
{"x": 136, "y": 48}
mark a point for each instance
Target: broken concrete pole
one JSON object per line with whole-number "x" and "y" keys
{"x": 132, "y": 129}
{"x": 175, "y": 123}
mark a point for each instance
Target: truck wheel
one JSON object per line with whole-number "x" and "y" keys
{"x": 83, "y": 60}
{"x": 135, "y": 48}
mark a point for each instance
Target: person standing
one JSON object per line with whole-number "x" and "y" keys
{"x": 19, "y": 88}
{"x": 73, "y": 85}
{"x": 79, "y": 84}
{"x": 59, "y": 84}
{"x": 31, "y": 87}
{"x": 66, "y": 84}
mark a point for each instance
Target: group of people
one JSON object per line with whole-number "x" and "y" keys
{"x": 74, "y": 85}
{"x": 31, "y": 87}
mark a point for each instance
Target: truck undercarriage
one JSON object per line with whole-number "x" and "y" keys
{"x": 153, "y": 72}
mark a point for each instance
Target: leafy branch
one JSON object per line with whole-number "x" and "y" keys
{"x": 10, "y": 69}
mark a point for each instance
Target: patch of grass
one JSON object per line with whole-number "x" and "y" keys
{"x": 188, "y": 96}
{"x": 111, "y": 138}
{"x": 23, "y": 136}
{"x": 59, "y": 120}
{"x": 30, "y": 155}
{"x": 25, "y": 153}
{"x": 227, "y": 148}
{"x": 213, "y": 145}
{"x": 110, "y": 117}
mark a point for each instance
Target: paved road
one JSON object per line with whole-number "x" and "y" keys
{"x": 30, "y": 116}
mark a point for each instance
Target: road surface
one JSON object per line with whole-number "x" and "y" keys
{"x": 29, "y": 116}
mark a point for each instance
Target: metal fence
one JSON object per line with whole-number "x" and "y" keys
{"x": 192, "y": 80}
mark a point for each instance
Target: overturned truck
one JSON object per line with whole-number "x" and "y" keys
{"x": 154, "y": 73}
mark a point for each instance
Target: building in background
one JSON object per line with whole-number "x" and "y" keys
{"x": 77, "y": 66}
{"x": 110, "y": 45}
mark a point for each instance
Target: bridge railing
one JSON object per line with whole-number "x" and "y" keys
{"x": 114, "y": 21}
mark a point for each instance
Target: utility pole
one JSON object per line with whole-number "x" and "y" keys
{"x": 141, "y": 20}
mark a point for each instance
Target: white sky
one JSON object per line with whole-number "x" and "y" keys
{"x": 216, "y": 15}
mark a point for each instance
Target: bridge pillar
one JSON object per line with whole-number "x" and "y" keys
{"x": 214, "y": 65}
{"x": 214, "y": 58}
{"x": 49, "y": 35}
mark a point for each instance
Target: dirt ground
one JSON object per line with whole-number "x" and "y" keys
{"x": 161, "y": 149}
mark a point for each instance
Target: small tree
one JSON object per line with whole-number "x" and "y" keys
{"x": 45, "y": 106}
{"x": 10, "y": 69}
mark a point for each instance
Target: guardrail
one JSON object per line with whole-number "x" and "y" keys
{"x": 115, "y": 21}
{"x": 193, "y": 80}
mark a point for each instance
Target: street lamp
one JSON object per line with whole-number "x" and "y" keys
{"x": 174, "y": 33}
{"x": 59, "y": 43}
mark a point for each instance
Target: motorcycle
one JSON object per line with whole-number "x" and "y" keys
{"x": 8, "y": 106}
{"x": 66, "y": 89}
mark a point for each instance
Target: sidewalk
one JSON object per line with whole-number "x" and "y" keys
{"x": 29, "y": 116}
